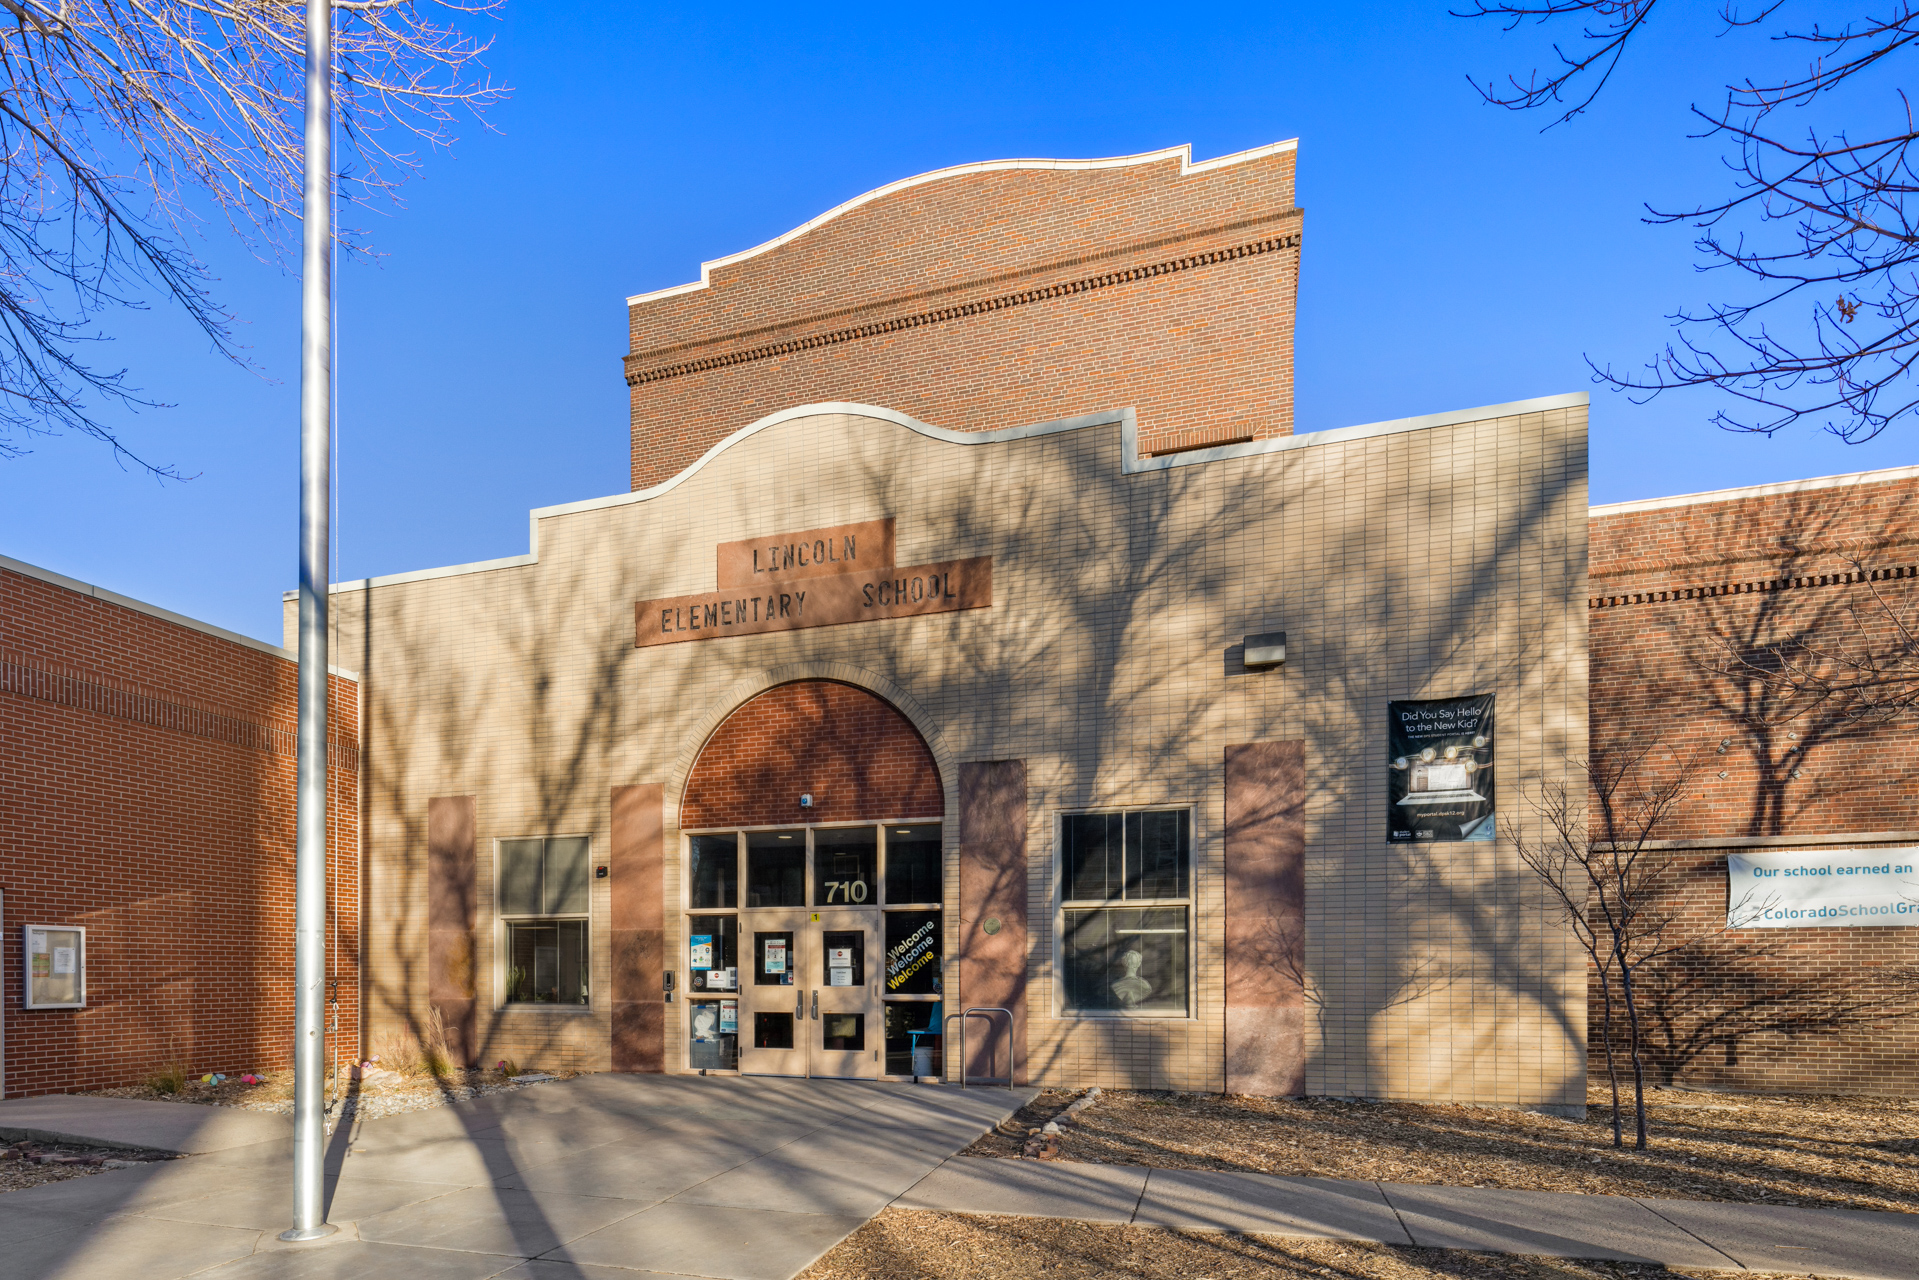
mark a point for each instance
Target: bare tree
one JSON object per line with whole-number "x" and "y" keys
{"x": 126, "y": 124}
{"x": 1831, "y": 329}
{"x": 1607, "y": 883}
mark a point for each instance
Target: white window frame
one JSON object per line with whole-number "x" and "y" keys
{"x": 502, "y": 954}
{"x": 1062, "y": 904}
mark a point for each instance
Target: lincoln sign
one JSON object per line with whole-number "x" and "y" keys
{"x": 820, "y": 578}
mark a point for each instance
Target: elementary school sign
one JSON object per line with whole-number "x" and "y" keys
{"x": 820, "y": 578}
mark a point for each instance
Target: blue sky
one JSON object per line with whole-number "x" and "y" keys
{"x": 1455, "y": 256}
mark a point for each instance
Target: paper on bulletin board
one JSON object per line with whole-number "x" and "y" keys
{"x": 702, "y": 951}
{"x": 37, "y": 940}
{"x": 62, "y": 960}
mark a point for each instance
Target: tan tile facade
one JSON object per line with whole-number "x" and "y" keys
{"x": 1421, "y": 561}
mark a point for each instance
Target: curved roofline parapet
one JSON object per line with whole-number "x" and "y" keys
{"x": 1184, "y": 154}
{"x": 1131, "y": 462}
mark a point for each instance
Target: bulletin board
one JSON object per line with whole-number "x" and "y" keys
{"x": 56, "y": 966}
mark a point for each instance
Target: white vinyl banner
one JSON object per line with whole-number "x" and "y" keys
{"x": 1819, "y": 890}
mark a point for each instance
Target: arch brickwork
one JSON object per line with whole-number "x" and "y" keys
{"x": 854, "y": 752}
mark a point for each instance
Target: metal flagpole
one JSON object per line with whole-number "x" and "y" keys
{"x": 309, "y": 902}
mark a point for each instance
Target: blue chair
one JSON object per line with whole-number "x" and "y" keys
{"x": 933, "y": 1028}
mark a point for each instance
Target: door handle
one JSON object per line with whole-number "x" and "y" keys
{"x": 816, "y": 1006}
{"x": 799, "y": 1006}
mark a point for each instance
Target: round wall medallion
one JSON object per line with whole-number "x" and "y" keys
{"x": 991, "y": 925}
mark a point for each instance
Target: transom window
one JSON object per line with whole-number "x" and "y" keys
{"x": 1126, "y": 912}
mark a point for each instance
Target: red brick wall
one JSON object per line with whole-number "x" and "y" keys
{"x": 856, "y": 755}
{"x": 991, "y": 300}
{"x": 1674, "y": 591}
{"x": 146, "y": 793}
{"x": 1769, "y": 1010}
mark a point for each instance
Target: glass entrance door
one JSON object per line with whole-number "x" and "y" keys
{"x": 774, "y": 1023}
{"x": 815, "y": 950}
{"x": 844, "y": 969}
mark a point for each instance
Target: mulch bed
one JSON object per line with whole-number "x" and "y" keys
{"x": 29, "y": 1164}
{"x": 902, "y": 1244}
{"x": 391, "y": 1094}
{"x": 1824, "y": 1152}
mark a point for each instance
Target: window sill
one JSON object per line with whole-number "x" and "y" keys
{"x": 1120, "y": 1015}
{"x": 545, "y": 1010}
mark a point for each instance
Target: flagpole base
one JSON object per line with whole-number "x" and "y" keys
{"x": 321, "y": 1232}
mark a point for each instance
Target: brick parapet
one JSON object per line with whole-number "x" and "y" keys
{"x": 986, "y": 297}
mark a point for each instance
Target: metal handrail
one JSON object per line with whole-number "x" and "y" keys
{"x": 986, "y": 1013}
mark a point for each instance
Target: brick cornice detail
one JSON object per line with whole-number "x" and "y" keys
{"x": 1715, "y": 590}
{"x": 145, "y": 706}
{"x": 962, "y": 310}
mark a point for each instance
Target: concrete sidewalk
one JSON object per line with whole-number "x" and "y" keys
{"x": 1680, "y": 1233}
{"x": 675, "y": 1177}
{"x": 601, "y": 1176}
{"x": 184, "y": 1127}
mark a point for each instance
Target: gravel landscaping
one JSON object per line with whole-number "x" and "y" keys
{"x": 902, "y": 1244}
{"x": 1822, "y": 1152}
{"x": 28, "y": 1164}
{"x": 383, "y": 1093}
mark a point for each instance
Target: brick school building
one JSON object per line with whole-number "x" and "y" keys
{"x": 978, "y": 635}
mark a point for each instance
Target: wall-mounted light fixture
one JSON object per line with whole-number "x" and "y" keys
{"x": 1267, "y": 650}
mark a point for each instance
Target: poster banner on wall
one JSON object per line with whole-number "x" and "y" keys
{"x": 1820, "y": 889}
{"x": 1439, "y": 775}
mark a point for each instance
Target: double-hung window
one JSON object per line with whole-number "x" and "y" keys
{"x": 544, "y": 892}
{"x": 1126, "y": 912}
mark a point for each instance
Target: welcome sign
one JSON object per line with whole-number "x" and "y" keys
{"x": 818, "y": 578}
{"x": 1820, "y": 890}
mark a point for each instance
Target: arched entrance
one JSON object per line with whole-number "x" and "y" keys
{"x": 814, "y": 887}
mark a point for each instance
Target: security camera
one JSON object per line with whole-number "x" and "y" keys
{"x": 806, "y": 800}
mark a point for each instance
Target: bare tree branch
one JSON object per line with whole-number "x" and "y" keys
{"x": 124, "y": 124}
{"x": 1832, "y": 332}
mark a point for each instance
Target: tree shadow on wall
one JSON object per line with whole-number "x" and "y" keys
{"x": 1719, "y": 1002}
{"x": 1796, "y": 687}
{"x": 1090, "y": 665}
{"x": 1782, "y": 657}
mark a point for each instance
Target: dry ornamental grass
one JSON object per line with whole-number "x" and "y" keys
{"x": 1824, "y": 1152}
{"x": 905, "y": 1245}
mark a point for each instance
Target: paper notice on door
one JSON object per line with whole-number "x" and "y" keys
{"x": 839, "y": 977}
{"x": 702, "y": 951}
{"x": 839, "y": 957}
{"x": 775, "y": 955}
{"x": 62, "y": 960}
{"x": 729, "y": 1017}
{"x": 722, "y": 979}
